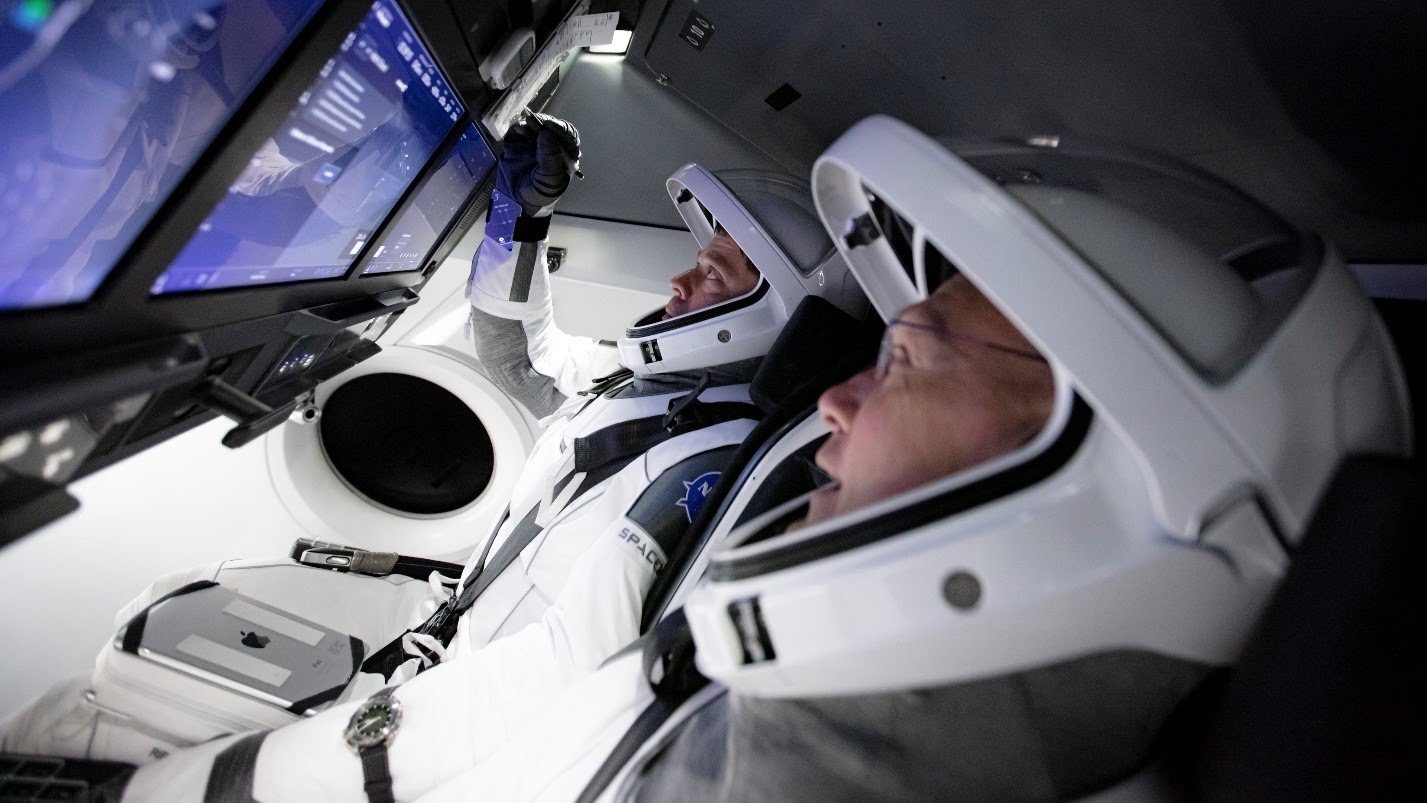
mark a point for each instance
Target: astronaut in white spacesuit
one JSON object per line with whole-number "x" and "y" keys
{"x": 608, "y": 489}
{"x": 1036, "y": 542}
{"x": 1017, "y": 611}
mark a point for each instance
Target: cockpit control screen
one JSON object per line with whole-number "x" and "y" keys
{"x": 104, "y": 107}
{"x": 435, "y": 205}
{"x": 315, "y": 193}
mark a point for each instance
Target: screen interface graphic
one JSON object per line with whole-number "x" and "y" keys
{"x": 104, "y": 106}
{"x": 420, "y": 224}
{"x": 313, "y": 194}
{"x": 500, "y": 220}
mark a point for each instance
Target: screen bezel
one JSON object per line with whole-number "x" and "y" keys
{"x": 122, "y": 311}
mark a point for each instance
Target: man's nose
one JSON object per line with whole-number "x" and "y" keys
{"x": 681, "y": 285}
{"x": 839, "y": 404}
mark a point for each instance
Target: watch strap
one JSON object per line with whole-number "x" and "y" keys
{"x": 376, "y": 774}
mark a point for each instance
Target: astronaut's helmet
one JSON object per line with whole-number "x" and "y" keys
{"x": 770, "y": 216}
{"x": 1211, "y": 365}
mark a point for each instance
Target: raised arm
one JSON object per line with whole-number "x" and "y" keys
{"x": 512, "y": 317}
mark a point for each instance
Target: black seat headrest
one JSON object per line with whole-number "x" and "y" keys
{"x": 819, "y": 346}
{"x": 1330, "y": 697}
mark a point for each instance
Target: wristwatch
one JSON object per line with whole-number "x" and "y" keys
{"x": 369, "y": 732}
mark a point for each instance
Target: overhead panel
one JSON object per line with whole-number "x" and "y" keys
{"x": 1186, "y": 78}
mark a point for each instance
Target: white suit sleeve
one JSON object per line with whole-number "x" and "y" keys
{"x": 513, "y": 323}
{"x": 455, "y": 715}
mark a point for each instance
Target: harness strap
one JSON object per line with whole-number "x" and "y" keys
{"x": 598, "y": 456}
{"x": 672, "y": 675}
{"x": 520, "y": 538}
{"x": 615, "y": 447}
{"x": 629, "y": 439}
{"x": 607, "y": 382}
{"x": 644, "y": 726}
{"x": 442, "y": 623}
{"x": 602, "y": 387}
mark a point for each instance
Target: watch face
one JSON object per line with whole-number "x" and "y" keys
{"x": 371, "y": 721}
{"x": 374, "y": 723}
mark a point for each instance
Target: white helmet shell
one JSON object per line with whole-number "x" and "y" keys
{"x": 1201, "y": 410}
{"x": 772, "y": 218}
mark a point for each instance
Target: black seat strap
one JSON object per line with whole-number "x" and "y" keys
{"x": 599, "y": 456}
{"x": 442, "y": 623}
{"x": 520, "y": 537}
{"x": 629, "y": 439}
{"x": 608, "y": 382}
{"x": 640, "y": 731}
{"x": 603, "y": 386}
{"x": 672, "y": 675}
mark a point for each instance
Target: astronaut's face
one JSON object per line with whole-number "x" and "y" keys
{"x": 957, "y": 385}
{"x": 721, "y": 273}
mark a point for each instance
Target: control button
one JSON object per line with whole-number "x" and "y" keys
{"x": 338, "y": 560}
{"x": 14, "y": 446}
{"x": 54, "y": 463}
{"x": 54, "y": 431}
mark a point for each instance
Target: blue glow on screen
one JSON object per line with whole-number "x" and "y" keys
{"x": 434, "y": 207}
{"x": 314, "y": 193}
{"x": 104, "y": 106}
{"x": 500, "y": 219}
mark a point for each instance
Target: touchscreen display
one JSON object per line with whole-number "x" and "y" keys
{"x": 435, "y": 206}
{"x": 313, "y": 194}
{"x": 104, "y": 106}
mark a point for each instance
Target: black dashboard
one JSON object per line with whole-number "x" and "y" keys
{"x": 209, "y": 207}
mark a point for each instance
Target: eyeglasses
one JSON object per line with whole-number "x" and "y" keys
{"x": 884, "y": 353}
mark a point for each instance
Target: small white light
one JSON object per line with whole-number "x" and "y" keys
{"x": 617, "y": 47}
{"x": 54, "y": 432}
{"x": 54, "y": 463}
{"x": 14, "y": 445}
{"x": 162, "y": 71}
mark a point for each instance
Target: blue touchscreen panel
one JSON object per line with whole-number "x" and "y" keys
{"x": 314, "y": 194}
{"x": 434, "y": 207}
{"x": 104, "y": 107}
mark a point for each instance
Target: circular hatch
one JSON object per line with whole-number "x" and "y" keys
{"x": 406, "y": 443}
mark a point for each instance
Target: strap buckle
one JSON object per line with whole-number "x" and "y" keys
{"x": 440, "y": 619}
{"x": 687, "y": 412}
{"x": 441, "y": 625}
{"x": 336, "y": 558}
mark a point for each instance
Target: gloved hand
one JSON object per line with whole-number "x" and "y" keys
{"x": 541, "y": 154}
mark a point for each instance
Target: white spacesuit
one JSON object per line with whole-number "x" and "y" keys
{"x": 610, "y": 485}
{"x": 1020, "y": 628}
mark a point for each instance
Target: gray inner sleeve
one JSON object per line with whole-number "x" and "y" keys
{"x": 1054, "y": 732}
{"x": 502, "y": 348}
